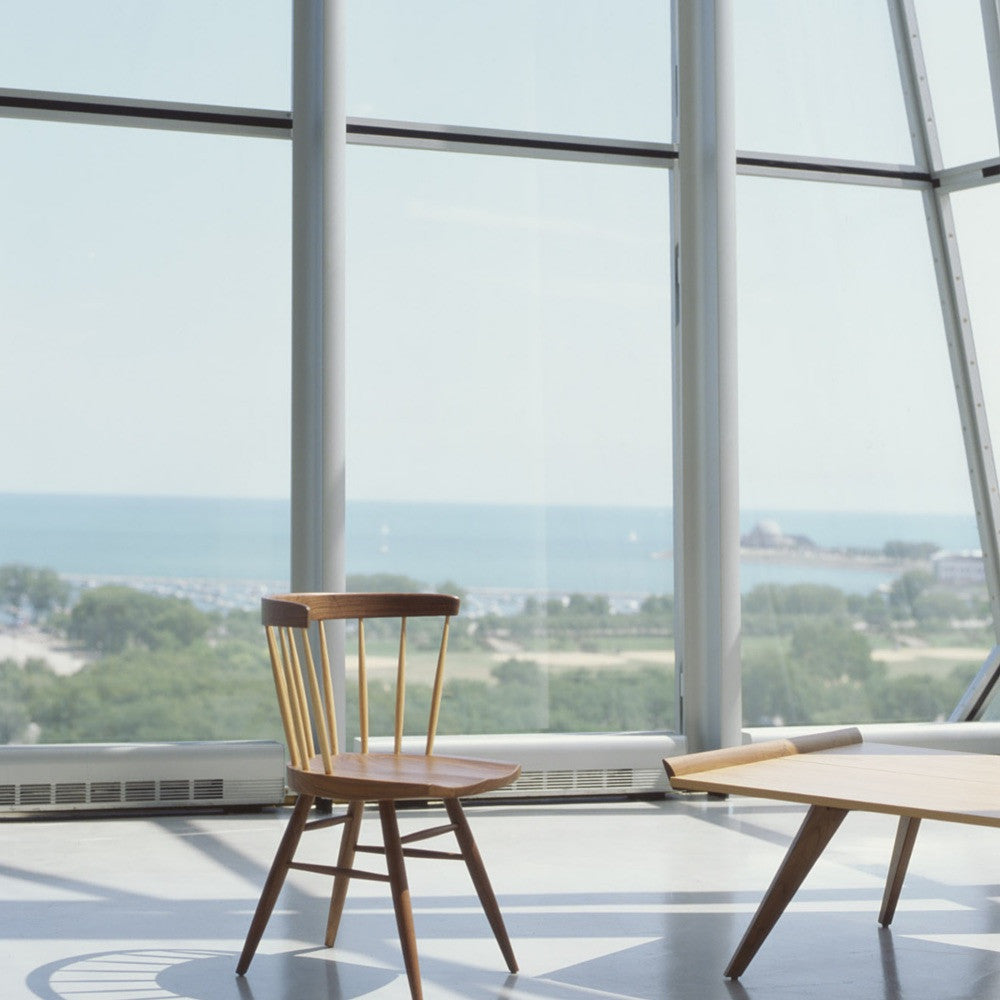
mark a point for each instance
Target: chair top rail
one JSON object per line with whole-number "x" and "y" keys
{"x": 298, "y": 610}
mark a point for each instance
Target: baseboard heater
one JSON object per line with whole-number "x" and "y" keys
{"x": 110, "y": 776}
{"x": 572, "y": 765}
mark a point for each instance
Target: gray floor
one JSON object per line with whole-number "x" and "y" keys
{"x": 635, "y": 900}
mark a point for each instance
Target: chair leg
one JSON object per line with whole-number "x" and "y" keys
{"x": 275, "y": 880}
{"x": 396, "y": 866}
{"x": 348, "y": 843}
{"x": 473, "y": 861}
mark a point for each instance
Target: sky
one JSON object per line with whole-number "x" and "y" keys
{"x": 508, "y": 320}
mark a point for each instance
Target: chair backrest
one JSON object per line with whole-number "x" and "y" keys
{"x": 304, "y": 682}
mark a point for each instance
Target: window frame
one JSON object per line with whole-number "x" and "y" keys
{"x": 320, "y": 129}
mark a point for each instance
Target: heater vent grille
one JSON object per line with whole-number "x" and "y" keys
{"x": 109, "y": 776}
{"x": 589, "y": 781}
{"x": 71, "y": 792}
{"x": 35, "y": 795}
{"x": 140, "y": 791}
{"x": 175, "y": 790}
{"x": 208, "y": 788}
{"x": 105, "y": 791}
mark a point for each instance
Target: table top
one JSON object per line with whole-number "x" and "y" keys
{"x": 838, "y": 769}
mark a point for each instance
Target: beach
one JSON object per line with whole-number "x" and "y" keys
{"x": 27, "y": 643}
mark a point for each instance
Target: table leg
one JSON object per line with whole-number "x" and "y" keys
{"x": 906, "y": 834}
{"x": 817, "y": 828}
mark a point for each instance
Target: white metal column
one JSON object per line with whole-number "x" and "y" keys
{"x": 706, "y": 482}
{"x": 319, "y": 145}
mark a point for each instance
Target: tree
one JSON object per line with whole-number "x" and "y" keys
{"x": 20, "y": 689}
{"x": 578, "y": 605}
{"x": 872, "y": 608}
{"x": 777, "y": 692}
{"x": 522, "y": 695}
{"x": 896, "y": 549}
{"x": 14, "y": 717}
{"x": 905, "y": 589}
{"x": 14, "y": 580}
{"x": 584, "y": 700}
{"x": 936, "y": 607}
{"x": 198, "y": 692}
{"x": 913, "y": 696}
{"x": 795, "y": 599}
{"x": 112, "y": 618}
{"x": 660, "y": 606}
{"x": 588, "y": 604}
{"x": 832, "y": 650}
{"x": 47, "y": 591}
{"x": 41, "y": 590}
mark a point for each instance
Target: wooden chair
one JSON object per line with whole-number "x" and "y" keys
{"x": 320, "y": 769}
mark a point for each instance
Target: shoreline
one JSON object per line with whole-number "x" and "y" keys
{"x": 833, "y": 559}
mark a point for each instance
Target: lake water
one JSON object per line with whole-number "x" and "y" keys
{"x": 243, "y": 543}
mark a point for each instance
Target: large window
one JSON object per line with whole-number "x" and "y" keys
{"x": 145, "y": 392}
{"x": 228, "y": 52}
{"x": 855, "y": 489}
{"x": 510, "y": 391}
{"x": 958, "y": 76}
{"x": 508, "y": 424}
{"x": 576, "y": 67}
{"x": 977, "y": 213}
{"x": 819, "y": 79}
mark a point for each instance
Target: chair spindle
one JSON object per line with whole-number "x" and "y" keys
{"x": 400, "y": 687}
{"x": 303, "y": 731}
{"x": 319, "y": 715}
{"x": 284, "y": 699}
{"x": 362, "y": 686}
{"x": 328, "y": 696}
{"x": 432, "y": 722}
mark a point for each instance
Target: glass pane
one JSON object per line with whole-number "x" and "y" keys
{"x": 819, "y": 79}
{"x": 977, "y": 214}
{"x": 951, "y": 35}
{"x": 581, "y": 67}
{"x": 509, "y": 426}
{"x": 228, "y": 52}
{"x": 855, "y": 490}
{"x": 145, "y": 389}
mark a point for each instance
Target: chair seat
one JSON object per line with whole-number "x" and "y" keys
{"x": 378, "y": 777}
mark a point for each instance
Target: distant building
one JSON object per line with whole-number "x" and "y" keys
{"x": 768, "y": 535}
{"x": 959, "y": 569}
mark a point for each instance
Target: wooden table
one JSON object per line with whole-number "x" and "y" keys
{"x": 834, "y": 773}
